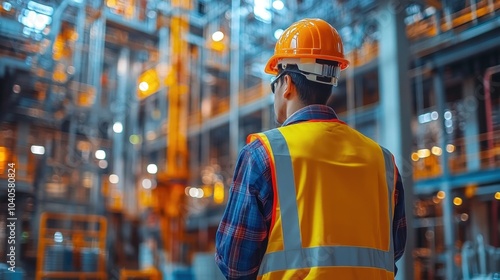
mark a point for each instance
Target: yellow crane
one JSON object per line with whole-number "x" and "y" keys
{"x": 168, "y": 198}
{"x": 172, "y": 181}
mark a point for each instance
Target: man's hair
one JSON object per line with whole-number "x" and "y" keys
{"x": 309, "y": 92}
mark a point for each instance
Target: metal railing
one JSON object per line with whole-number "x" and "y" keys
{"x": 460, "y": 157}
{"x": 428, "y": 27}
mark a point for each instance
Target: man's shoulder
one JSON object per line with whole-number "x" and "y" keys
{"x": 255, "y": 149}
{"x": 253, "y": 145}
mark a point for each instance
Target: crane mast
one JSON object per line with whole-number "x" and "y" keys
{"x": 173, "y": 179}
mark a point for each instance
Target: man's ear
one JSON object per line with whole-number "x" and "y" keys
{"x": 288, "y": 84}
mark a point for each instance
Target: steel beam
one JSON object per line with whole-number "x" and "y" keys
{"x": 395, "y": 113}
{"x": 234, "y": 80}
{"x": 449, "y": 231}
{"x": 470, "y": 105}
{"x": 119, "y": 116}
{"x": 481, "y": 177}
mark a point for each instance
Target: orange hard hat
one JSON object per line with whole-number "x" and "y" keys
{"x": 308, "y": 39}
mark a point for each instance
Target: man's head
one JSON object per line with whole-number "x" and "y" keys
{"x": 307, "y": 61}
{"x": 293, "y": 91}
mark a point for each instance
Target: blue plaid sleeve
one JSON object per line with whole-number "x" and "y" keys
{"x": 399, "y": 222}
{"x": 241, "y": 239}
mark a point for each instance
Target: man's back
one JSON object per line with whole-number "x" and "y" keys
{"x": 341, "y": 197}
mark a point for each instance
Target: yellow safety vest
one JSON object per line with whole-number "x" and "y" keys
{"x": 333, "y": 204}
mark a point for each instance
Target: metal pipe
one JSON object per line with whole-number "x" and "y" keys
{"x": 78, "y": 53}
{"x": 494, "y": 218}
{"x": 488, "y": 110}
{"x": 419, "y": 98}
{"x": 449, "y": 231}
{"x": 234, "y": 81}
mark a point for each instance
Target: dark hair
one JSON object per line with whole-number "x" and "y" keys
{"x": 309, "y": 92}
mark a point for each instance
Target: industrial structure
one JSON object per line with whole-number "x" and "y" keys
{"x": 123, "y": 120}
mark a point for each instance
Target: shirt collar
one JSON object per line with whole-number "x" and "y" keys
{"x": 311, "y": 112}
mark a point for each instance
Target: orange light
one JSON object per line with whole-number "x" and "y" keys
{"x": 441, "y": 195}
{"x": 436, "y": 200}
{"x": 414, "y": 157}
{"x": 457, "y": 201}
{"x": 3, "y": 154}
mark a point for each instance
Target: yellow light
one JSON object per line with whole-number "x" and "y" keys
{"x": 207, "y": 190}
{"x": 497, "y": 195}
{"x": 111, "y": 3}
{"x": 135, "y": 139}
{"x": 218, "y": 192}
{"x": 450, "y": 148}
{"x": 148, "y": 83}
{"x": 441, "y": 194}
{"x": 414, "y": 157}
{"x": 457, "y": 201}
{"x": 436, "y": 151}
{"x": 217, "y": 46}
{"x": 423, "y": 153}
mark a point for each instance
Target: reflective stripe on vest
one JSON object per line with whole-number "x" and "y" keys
{"x": 294, "y": 256}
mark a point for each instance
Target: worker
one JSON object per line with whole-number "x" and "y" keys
{"x": 313, "y": 198}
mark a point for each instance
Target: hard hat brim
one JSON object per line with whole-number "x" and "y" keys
{"x": 272, "y": 63}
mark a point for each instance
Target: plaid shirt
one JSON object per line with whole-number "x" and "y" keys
{"x": 241, "y": 239}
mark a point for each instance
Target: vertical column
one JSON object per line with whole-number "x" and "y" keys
{"x": 119, "y": 116}
{"x": 419, "y": 98}
{"x": 196, "y": 97}
{"x": 351, "y": 97}
{"x": 80, "y": 30}
{"x": 96, "y": 54}
{"x": 480, "y": 222}
{"x": 22, "y": 149}
{"x": 131, "y": 147}
{"x": 205, "y": 109}
{"x": 471, "y": 132}
{"x": 164, "y": 52}
{"x": 395, "y": 109}
{"x": 234, "y": 81}
{"x": 449, "y": 231}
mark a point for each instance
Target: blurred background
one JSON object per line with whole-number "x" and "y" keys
{"x": 124, "y": 119}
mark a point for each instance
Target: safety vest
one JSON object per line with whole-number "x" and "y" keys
{"x": 333, "y": 204}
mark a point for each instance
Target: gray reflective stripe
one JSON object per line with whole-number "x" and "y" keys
{"x": 389, "y": 175}
{"x": 286, "y": 190}
{"x": 294, "y": 256}
{"x": 326, "y": 256}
